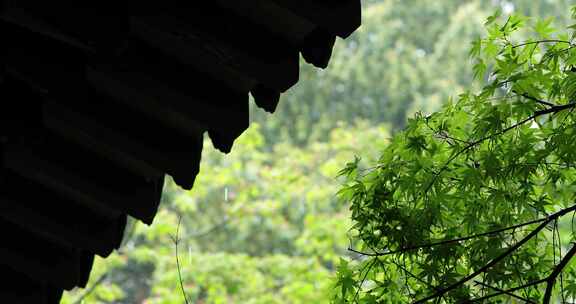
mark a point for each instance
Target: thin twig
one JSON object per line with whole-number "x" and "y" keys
{"x": 406, "y": 283}
{"x": 91, "y": 289}
{"x": 367, "y": 268}
{"x": 540, "y": 42}
{"x": 176, "y": 240}
{"x": 518, "y": 272}
{"x": 443, "y": 134}
{"x": 505, "y": 291}
{"x": 209, "y": 230}
{"x": 544, "y": 102}
{"x": 413, "y": 275}
{"x": 484, "y": 298}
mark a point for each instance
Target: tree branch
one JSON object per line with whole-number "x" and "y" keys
{"x": 540, "y": 101}
{"x": 505, "y": 291}
{"x": 540, "y": 42}
{"x": 410, "y": 248}
{"x": 406, "y": 271}
{"x": 501, "y": 256}
{"x": 556, "y": 272}
{"x": 484, "y": 298}
{"x": 554, "y": 109}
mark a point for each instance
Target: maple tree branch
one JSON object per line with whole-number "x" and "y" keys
{"x": 446, "y": 242}
{"x": 541, "y": 41}
{"x": 501, "y": 256}
{"x": 556, "y": 272}
{"x": 540, "y": 101}
{"x": 505, "y": 291}
{"x": 406, "y": 271}
{"x": 482, "y": 299}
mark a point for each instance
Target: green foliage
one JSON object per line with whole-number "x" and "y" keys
{"x": 475, "y": 202}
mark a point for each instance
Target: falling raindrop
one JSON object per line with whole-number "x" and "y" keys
{"x": 226, "y": 194}
{"x": 189, "y": 255}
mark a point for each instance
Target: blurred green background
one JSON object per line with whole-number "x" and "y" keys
{"x": 263, "y": 224}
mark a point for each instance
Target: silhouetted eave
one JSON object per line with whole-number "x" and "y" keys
{"x": 99, "y": 103}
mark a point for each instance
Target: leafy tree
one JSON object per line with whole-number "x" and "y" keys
{"x": 476, "y": 202}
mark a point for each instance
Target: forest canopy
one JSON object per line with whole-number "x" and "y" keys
{"x": 476, "y": 202}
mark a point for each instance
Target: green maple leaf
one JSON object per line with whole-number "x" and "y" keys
{"x": 544, "y": 27}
